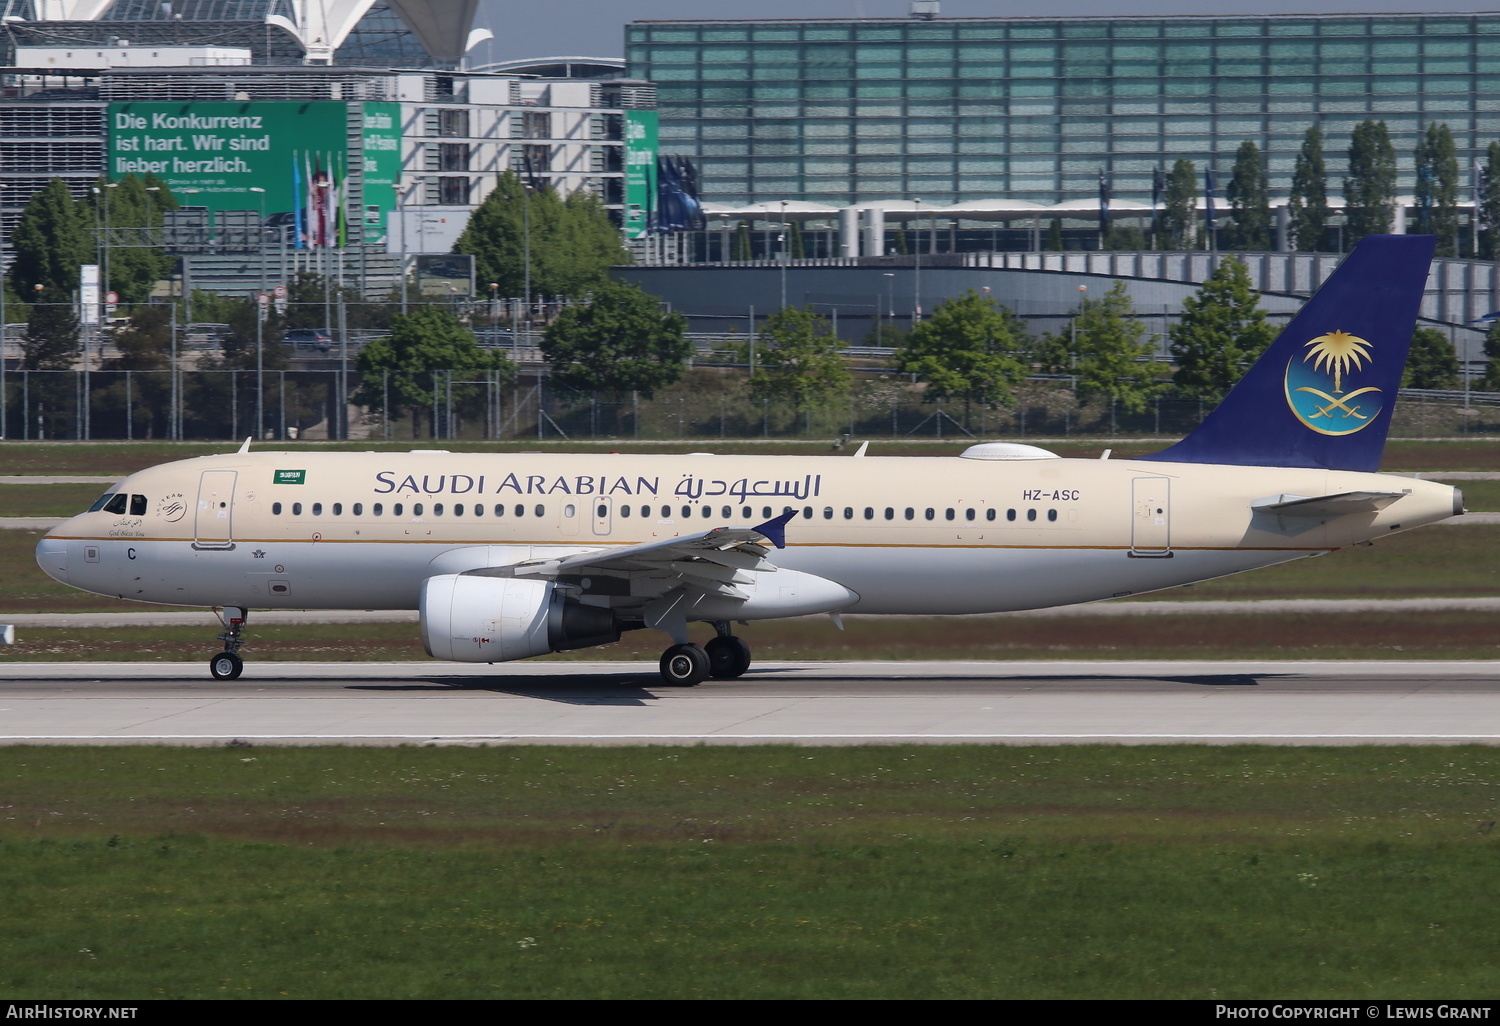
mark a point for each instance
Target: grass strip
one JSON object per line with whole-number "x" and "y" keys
{"x": 892, "y": 872}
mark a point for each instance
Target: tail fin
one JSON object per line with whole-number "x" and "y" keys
{"x": 1322, "y": 394}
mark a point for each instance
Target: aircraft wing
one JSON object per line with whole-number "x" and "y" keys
{"x": 712, "y": 562}
{"x": 1326, "y": 506}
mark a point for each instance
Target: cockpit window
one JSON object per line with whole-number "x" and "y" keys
{"x": 99, "y": 502}
{"x": 116, "y": 504}
{"x": 137, "y": 505}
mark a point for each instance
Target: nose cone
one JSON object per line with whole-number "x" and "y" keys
{"x": 52, "y": 557}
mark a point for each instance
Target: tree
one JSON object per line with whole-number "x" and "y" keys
{"x": 1221, "y": 333}
{"x": 1054, "y": 243}
{"x": 799, "y": 360}
{"x": 125, "y": 213}
{"x": 1125, "y": 237}
{"x": 51, "y": 241}
{"x": 1370, "y": 189}
{"x": 401, "y": 365}
{"x": 1308, "y": 201}
{"x": 1431, "y": 362}
{"x": 1437, "y": 188}
{"x": 1249, "y": 200}
{"x": 967, "y": 350}
{"x": 1490, "y": 382}
{"x": 144, "y": 344}
{"x": 619, "y": 342}
{"x": 1179, "y": 214}
{"x": 571, "y": 243}
{"x": 1489, "y": 204}
{"x": 51, "y": 339}
{"x": 1109, "y": 352}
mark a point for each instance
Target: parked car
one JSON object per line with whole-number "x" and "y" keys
{"x": 312, "y": 339}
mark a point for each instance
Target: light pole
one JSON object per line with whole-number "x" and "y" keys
{"x": 890, "y": 303}
{"x": 917, "y": 310}
{"x": 3, "y": 397}
{"x": 260, "y": 319}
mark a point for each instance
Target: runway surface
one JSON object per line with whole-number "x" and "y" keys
{"x": 794, "y": 702}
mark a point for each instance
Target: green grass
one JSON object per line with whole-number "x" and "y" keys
{"x": 47, "y": 500}
{"x": 889, "y": 872}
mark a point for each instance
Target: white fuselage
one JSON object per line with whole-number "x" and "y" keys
{"x": 909, "y": 535}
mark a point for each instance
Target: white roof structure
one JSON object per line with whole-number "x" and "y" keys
{"x": 443, "y": 27}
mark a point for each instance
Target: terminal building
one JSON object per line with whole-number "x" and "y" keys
{"x": 249, "y": 110}
{"x": 1010, "y": 117}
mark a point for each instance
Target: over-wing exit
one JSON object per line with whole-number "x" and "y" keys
{"x": 508, "y": 556}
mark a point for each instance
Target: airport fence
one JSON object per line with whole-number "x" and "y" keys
{"x": 204, "y": 405}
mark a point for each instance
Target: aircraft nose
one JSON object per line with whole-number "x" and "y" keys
{"x": 52, "y": 557}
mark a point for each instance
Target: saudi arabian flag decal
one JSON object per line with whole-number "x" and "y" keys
{"x": 291, "y": 477}
{"x": 1323, "y": 388}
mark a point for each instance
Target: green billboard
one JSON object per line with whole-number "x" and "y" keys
{"x": 640, "y": 171}
{"x": 211, "y": 154}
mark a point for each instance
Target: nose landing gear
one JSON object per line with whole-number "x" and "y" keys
{"x": 227, "y": 665}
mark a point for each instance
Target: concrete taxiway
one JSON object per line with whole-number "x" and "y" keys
{"x": 1292, "y": 703}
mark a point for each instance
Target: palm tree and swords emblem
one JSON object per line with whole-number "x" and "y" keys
{"x": 1322, "y": 404}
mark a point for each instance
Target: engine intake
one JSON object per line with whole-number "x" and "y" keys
{"x": 474, "y": 619}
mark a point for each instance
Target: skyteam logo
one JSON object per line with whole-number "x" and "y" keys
{"x": 1323, "y": 389}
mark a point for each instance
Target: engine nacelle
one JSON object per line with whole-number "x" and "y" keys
{"x": 474, "y": 619}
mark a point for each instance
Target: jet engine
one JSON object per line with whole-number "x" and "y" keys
{"x": 475, "y": 619}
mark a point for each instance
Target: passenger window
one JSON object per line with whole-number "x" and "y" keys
{"x": 624, "y": 511}
{"x": 117, "y": 504}
{"x": 499, "y": 509}
{"x": 479, "y": 509}
{"x": 276, "y": 509}
{"x": 890, "y": 514}
{"x": 359, "y": 509}
{"x": 570, "y": 510}
{"x": 520, "y": 510}
{"x": 969, "y": 513}
{"x": 807, "y": 511}
{"x": 137, "y": 505}
{"x": 948, "y": 513}
{"x": 541, "y": 510}
{"x": 687, "y": 511}
{"x": 1010, "y": 514}
{"x": 911, "y": 514}
{"x": 1031, "y": 514}
{"x": 747, "y": 512}
{"x": 396, "y": 509}
{"x": 458, "y": 509}
{"x": 317, "y": 509}
{"x": 378, "y": 509}
{"x": 99, "y": 502}
{"x": 765, "y": 512}
{"x": 296, "y": 509}
{"x": 602, "y": 511}
{"x": 437, "y": 509}
{"x": 989, "y": 514}
{"x": 1052, "y": 515}
{"x": 931, "y": 512}
{"x": 338, "y": 509}
{"x": 708, "y": 511}
{"x": 416, "y": 509}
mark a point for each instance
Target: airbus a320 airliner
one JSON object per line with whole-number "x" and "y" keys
{"x": 514, "y": 555}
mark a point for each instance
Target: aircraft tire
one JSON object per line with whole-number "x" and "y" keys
{"x": 728, "y": 657}
{"x": 684, "y": 666}
{"x": 226, "y": 666}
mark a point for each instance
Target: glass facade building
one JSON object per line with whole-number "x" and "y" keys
{"x": 960, "y": 109}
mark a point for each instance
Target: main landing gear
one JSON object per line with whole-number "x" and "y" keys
{"x": 228, "y": 665}
{"x": 723, "y": 658}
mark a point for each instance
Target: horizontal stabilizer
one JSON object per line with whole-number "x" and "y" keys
{"x": 1337, "y": 505}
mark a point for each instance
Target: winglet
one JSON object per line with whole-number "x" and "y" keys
{"x": 775, "y": 530}
{"x": 244, "y": 448}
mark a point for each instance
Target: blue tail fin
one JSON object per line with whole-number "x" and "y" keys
{"x": 1322, "y": 394}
